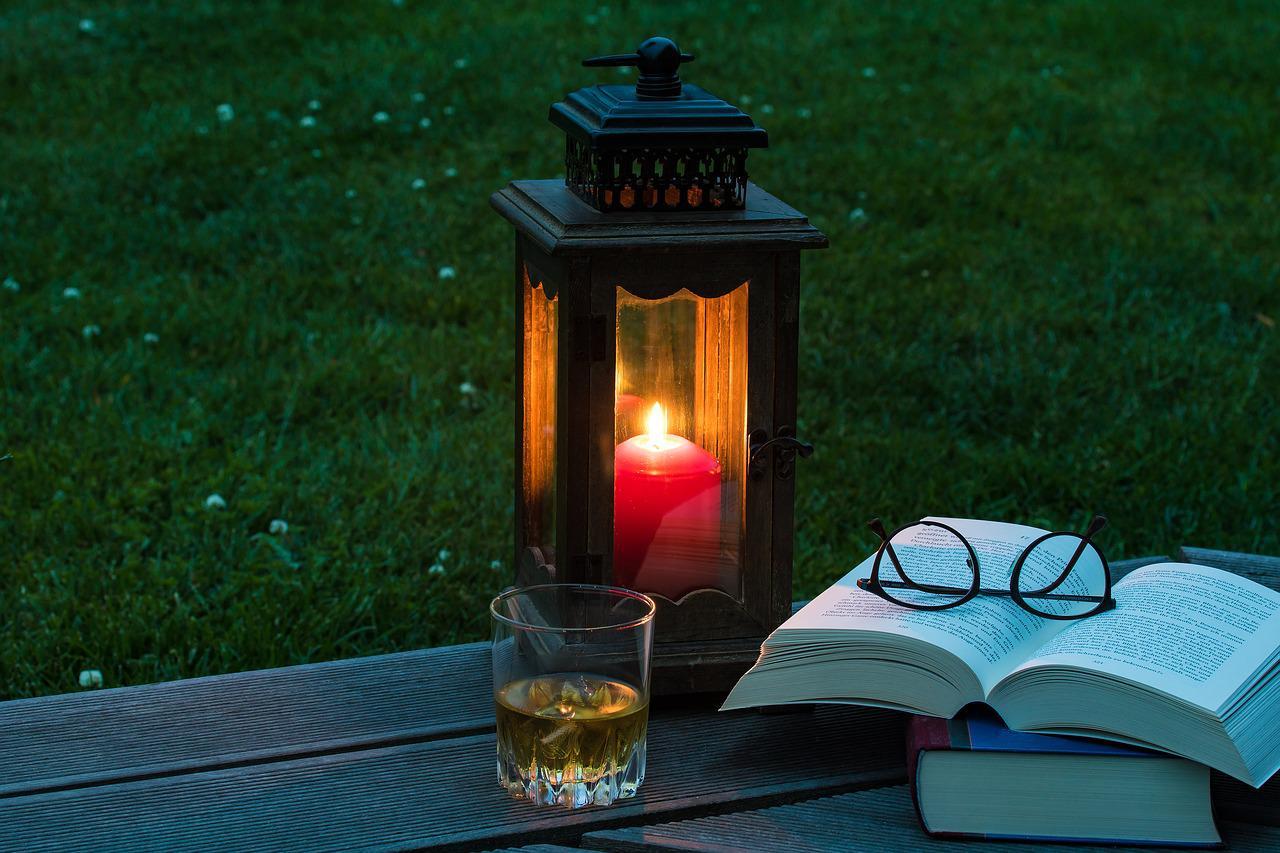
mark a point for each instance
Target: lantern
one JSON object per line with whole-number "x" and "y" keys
{"x": 657, "y": 295}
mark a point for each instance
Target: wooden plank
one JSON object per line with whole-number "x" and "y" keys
{"x": 443, "y": 793}
{"x": 54, "y": 742}
{"x": 1263, "y": 569}
{"x": 878, "y": 820}
{"x": 538, "y": 848}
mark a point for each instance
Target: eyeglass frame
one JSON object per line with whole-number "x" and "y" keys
{"x": 874, "y": 585}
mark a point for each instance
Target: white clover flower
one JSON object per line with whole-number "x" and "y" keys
{"x": 215, "y": 501}
{"x": 449, "y": 110}
{"x": 317, "y": 153}
{"x": 202, "y": 130}
{"x": 804, "y": 112}
{"x": 351, "y": 193}
{"x": 744, "y": 99}
{"x": 90, "y": 678}
{"x": 418, "y": 183}
{"x": 467, "y": 388}
{"x": 451, "y": 172}
{"x": 11, "y": 284}
{"x": 591, "y": 20}
{"x": 868, "y": 72}
{"x": 397, "y": 3}
{"x": 624, "y": 69}
{"x": 307, "y": 121}
{"x": 436, "y": 569}
{"x": 151, "y": 338}
{"x": 857, "y": 215}
{"x": 418, "y": 98}
{"x": 91, "y": 331}
{"x": 225, "y": 112}
{"x": 424, "y": 122}
{"x": 448, "y": 272}
{"x": 381, "y": 117}
{"x": 443, "y": 555}
{"x": 278, "y": 527}
{"x": 313, "y": 105}
{"x": 70, "y": 293}
{"x": 460, "y": 62}
{"x": 495, "y": 565}
{"x": 767, "y": 109}
{"x": 87, "y": 25}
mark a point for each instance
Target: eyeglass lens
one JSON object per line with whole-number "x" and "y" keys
{"x": 1049, "y": 586}
{"x": 932, "y": 569}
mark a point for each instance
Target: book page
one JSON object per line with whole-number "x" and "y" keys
{"x": 990, "y": 634}
{"x": 1191, "y": 631}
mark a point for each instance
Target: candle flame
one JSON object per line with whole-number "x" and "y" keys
{"x": 656, "y": 423}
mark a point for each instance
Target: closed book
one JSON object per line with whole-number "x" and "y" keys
{"x": 973, "y": 777}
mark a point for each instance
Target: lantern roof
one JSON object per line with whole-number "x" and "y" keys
{"x": 660, "y": 111}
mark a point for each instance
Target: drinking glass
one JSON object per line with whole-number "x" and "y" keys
{"x": 571, "y": 692}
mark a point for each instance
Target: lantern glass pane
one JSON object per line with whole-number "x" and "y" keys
{"x": 680, "y": 411}
{"x": 538, "y": 468}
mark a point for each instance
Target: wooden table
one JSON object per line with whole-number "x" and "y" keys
{"x": 396, "y": 752}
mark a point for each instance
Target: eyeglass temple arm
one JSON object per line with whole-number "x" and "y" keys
{"x": 877, "y": 527}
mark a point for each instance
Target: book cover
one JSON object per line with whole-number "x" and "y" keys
{"x": 980, "y": 729}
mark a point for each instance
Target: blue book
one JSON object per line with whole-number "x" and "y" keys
{"x": 973, "y": 777}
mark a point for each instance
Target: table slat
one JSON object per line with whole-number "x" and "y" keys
{"x": 76, "y": 739}
{"x": 877, "y": 820}
{"x": 1258, "y": 567}
{"x": 443, "y": 793}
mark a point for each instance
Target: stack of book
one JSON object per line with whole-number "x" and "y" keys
{"x": 1107, "y": 726}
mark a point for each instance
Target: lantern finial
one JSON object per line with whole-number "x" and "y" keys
{"x": 659, "y": 61}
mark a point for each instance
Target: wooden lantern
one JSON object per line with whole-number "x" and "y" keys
{"x": 657, "y": 324}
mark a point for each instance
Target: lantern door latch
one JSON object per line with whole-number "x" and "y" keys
{"x": 785, "y": 447}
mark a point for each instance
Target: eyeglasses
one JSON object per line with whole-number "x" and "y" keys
{"x": 1058, "y": 576}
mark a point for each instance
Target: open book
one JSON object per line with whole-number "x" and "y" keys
{"x": 1188, "y": 662}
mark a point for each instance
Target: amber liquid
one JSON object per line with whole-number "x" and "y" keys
{"x": 569, "y": 737}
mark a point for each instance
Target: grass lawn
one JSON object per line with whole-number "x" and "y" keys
{"x": 1052, "y": 290}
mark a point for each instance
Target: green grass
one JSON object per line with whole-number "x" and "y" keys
{"x": 1058, "y": 297}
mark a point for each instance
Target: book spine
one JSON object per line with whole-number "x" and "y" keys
{"x": 924, "y": 734}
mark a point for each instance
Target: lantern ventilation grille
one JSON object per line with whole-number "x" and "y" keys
{"x": 657, "y": 178}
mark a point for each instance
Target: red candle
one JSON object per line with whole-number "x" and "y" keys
{"x": 666, "y": 504}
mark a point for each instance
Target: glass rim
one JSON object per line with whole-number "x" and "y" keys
{"x": 605, "y": 589}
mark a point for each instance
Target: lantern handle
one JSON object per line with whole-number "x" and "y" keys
{"x": 659, "y": 62}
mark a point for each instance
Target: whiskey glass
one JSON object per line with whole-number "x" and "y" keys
{"x": 571, "y": 692}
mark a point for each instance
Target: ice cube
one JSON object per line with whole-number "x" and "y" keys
{"x": 558, "y": 711}
{"x": 575, "y": 691}
{"x": 602, "y": 697}
{"x": 539, "y": 694}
